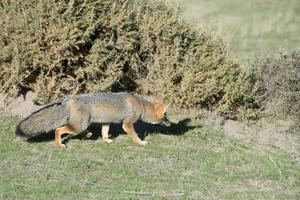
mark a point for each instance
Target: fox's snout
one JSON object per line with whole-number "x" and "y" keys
{"x": 166, "y": 122}
{"x": 155, "y": 113}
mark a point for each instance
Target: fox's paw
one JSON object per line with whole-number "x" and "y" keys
{"x": 62, "y": 146}
{"x": 108, "y": 141}
{"x": 144, "y": 143}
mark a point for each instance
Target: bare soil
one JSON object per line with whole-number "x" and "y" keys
{"x": 265, "y": 135}
{"x": 20, "y": 106}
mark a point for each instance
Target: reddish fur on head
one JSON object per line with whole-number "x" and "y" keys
{"x": 155, "y": 111}
{"x": 160, "y": 108}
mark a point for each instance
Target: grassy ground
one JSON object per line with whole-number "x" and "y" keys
{"x": 190, "y": 160}
{"x": 256, "y": 27}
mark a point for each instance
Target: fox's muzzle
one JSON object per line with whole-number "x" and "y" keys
{"x": 166, "y": 122}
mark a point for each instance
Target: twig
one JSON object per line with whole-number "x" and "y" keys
{"x": 153, "y": 194}
{"x": 173, "y": 195}
{"x": 138, "y": 193}
{"x": 276, "y": 166}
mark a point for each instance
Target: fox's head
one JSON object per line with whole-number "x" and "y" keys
{"x": 155, "y": 112}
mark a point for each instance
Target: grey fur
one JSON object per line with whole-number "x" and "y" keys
{"x": 44, "y": 120}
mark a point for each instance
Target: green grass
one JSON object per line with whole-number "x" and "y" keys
{"x": 252, "y": 28}
{"x": 200, "y": 163}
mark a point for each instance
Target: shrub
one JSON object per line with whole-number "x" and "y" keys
{"x": 58, "y": 48}
{"x": 279, "y": 79}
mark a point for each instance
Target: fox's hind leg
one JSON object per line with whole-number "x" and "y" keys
{"x": 62, "y": 130}
{"x": 79, "y": 116}
{"x": 105, "y": 129}
{"x": 78, "y": 122}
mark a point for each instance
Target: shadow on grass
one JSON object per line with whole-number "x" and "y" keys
{"x": 142, "y": 128}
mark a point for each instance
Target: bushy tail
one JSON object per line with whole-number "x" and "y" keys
{"x": 44, "y": 120}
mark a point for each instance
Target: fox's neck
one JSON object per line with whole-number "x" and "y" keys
{"x": 148, "y": 111}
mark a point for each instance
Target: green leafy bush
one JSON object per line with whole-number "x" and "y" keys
{"x": 58, "y": 48}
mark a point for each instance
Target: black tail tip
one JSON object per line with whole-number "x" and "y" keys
{"x": 20, "y": 133}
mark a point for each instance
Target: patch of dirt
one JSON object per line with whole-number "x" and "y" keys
{"x": 250, "y": 185}
{"x": 233, "y": 129}
{"x": 265, "y": 134}
{"x": 19, "y": 106}
{"x": 262, "y": 134}
{"x": 278, "y": 135}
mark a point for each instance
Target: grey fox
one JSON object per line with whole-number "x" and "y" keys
{"x": 73, "y": 115}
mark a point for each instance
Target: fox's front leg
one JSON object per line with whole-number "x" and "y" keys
{"x": 105, "y": 129}
{"x": 129, "y": 129}
{"x": 87, "y": 134}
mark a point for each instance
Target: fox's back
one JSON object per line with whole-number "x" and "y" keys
{"x": 104, "y": 107}
{"x": 116, "y": 98}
